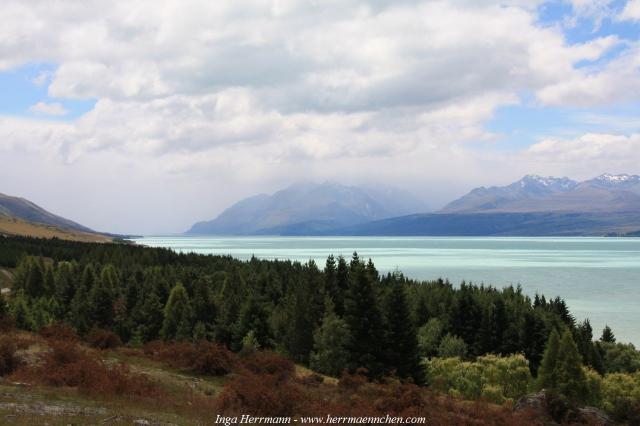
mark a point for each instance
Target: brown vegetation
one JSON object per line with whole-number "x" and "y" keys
{"x": 9, "y": 361}
{"x": 103, "y": 339}
{"x": 59, "y": 331}
{"x": 67, "y": 364}
{"x": 204, "y": 357}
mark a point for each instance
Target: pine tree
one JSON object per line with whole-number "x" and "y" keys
{"x": 253, "y": 317}
{"x": 547, "y": 378}
{"x": 79, "y": 313}
{"x": 331, "y": 288}
{"x": 363, "y": 316}
{"x": 330, "y": 344}
{"x": 148, "y": 314}
{"x": 534, "y": 338}
{"x": 48, "y": 282}
{"x": 571, "y": 380}
{"x": 177, "y": 315}
{"x": 607, "y": 335}
{"x": 342, "y": 282}
{"x": 34, "y": 287}
{"x": 204, "y": 307}
{"x": 402, "y": 348}
{"x": 21, "y": 313}
{"x": 298, "y": 336}
{"x": 102, "y": 297}
{"x": 63, "y": 284}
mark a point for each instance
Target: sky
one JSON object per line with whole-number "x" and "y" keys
{"x": 145, "y": 117}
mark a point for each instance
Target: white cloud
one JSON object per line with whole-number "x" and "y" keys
{"x": 618, "y": 80}
{"x": 588, "y": 155}
{"x": 231, "y": 98}
{"x": 52, "y": 108}
{"x": 631, "y": 11}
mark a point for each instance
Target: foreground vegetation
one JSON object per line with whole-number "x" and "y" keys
{"x": 384, "y": 336}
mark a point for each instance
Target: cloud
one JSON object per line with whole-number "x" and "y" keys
{"x": 631, "y": 11}
{"x": 616, "y": 81}
{"x": 199, "y": 103}
{"x": 53, "y": 108}
{"x": 588, "y": 155}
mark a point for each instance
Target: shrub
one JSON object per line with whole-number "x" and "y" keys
{"x": 66, "y": 364}
{"x": 203, "y": 357}
{"x": 8, "y": 360}
{"x": 103, "y": 339}
{"x": 59, "y": 331}
{"x": 491, "y": 377}
{"x": 270, "y": 364}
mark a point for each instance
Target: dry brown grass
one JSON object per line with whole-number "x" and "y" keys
{"x": 12, "y": 226}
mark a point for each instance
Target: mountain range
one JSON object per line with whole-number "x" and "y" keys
{"x": 534, "y": 205}
{"x": 605, "y": 193}
{"x": 308, "y": 208}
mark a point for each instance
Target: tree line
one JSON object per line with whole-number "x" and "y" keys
{"x": 343, "y": 314}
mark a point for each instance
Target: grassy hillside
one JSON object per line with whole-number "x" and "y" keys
{"x": 12, "y": 226}
{"x": 60, "y": 380}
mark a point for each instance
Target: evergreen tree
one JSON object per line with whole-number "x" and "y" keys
{"x": 330, "y": 348}
{"x": 607, "y": 335}
{"x": 48, "y": 282}
{"x": 331, "y": 280}
{"x": 571, "y": 379}
{"x": 253, "y": 318}
{"x": 534, "y": 338}
{"x": 148, "y": 314}
{"x": 20, "y": 311}
{"x": 402, "y": 348}
{"x": 363, "y": 316}
{"x": 34, "y": 286}
{"x": 63, "y": 284}
{"x": 204, "y": 306}
{"x": 300, "y": 323}
{"x": 547, "y": 376}
{"x": 79, "y": 314}
{"x": 177, "y": 315}
{"x": 342, "y": 282}
{"x": 102, "y": 298}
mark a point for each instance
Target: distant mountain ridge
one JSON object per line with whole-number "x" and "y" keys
{"x": 20, "y": 208}
{"x": 605, "y": 193}
{"x": 308, "y": 208}
{"x": 532, "y": 206}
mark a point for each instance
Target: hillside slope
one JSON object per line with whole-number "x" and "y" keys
{"x": 13, "y": 226}
{"x": 25, "y": 210}
{"x": 308, "y": 208}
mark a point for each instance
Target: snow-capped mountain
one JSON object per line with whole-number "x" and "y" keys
{"x": 622, "y": 181}
{"x": 533, "y": 193}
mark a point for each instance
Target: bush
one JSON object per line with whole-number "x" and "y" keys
{"x": 491, "y": 377}
{"x": 103, "y": 339}
{"x": 66, "y": 364}
{"x": 9, "y": 362}
{"x": 204, "y": 357}
{"x": 270, "y": 364}
{"x": 59, "y": 331}
{"x": 621, "y": 396}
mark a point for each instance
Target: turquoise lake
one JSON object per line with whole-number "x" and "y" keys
{"x": 598, "y": 277}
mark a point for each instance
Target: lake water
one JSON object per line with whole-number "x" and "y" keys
{"x": 598, "y": 277}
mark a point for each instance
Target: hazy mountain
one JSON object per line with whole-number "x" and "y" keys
{"x": 25, "y": 210}
{"x": 499, "y": 224}
{"x": 308, "y": 208}
{"x": 605, "y": 193}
